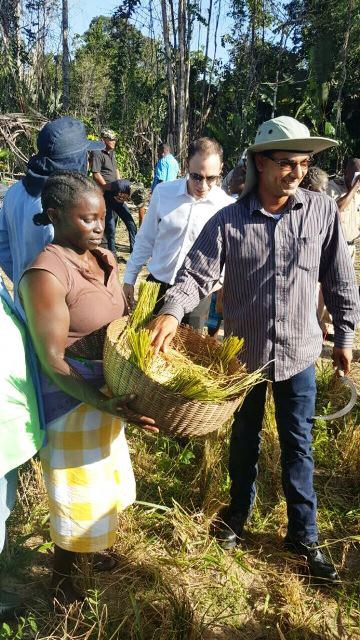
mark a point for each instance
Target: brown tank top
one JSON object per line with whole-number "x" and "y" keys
{"x": 91, "y": 304}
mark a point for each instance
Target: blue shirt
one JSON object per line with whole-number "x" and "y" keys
{"x": 166, "y": 169}
{"x": 20, "y": 239}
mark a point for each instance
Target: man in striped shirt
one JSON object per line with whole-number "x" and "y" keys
{"x": 276, "y": 243}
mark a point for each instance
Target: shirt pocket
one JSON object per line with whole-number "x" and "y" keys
{"x": 308, "y": 253}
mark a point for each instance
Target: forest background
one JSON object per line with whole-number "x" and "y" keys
{"x": 167, "y": 82}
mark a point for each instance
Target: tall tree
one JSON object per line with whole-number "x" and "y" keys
{"x": 65, "y": 99}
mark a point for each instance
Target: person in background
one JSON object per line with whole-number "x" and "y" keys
{"x": 177, "y": 212}
{"x": 237, "y": 181}
{"x": 138, "y": 198}
{"x": 106, "y": 173}
{"x": 70, "y": 293}
{"x": 21, "y": 429}
{"x": 166, "y": 168}
{"x": 275, "y": 243}
{"x": 346, "y": 191}
{"x": 316, "y": 180}
{"x": 234, "y": 186}
{"x": 62, "y": 144}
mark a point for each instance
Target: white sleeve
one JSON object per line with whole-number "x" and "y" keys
{"x": 144, "y": 241}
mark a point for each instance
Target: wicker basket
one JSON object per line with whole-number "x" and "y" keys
{"x": 174, "y": 414}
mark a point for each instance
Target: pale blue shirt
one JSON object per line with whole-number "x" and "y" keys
{"x": 166, "y": 169}
{"x": 20, "y": 239}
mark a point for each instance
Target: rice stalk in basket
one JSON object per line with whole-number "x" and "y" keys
{"x": 143, "y": 312}
{"x": 212, "y": 375}
{"x": 141, "y": 351}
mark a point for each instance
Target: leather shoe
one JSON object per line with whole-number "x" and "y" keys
{"x": 318, "y": 565}
{"x": 228, "y": 528}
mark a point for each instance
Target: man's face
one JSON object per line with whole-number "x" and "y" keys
{"x": 109, "y": 143}
{"x": 280, "y": 180}
{"x": 204, "y": 172}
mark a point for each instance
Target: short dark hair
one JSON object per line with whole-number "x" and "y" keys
{"x": 61, "y": 190}
{"x": 205, "y": 146}
{"x": 163, "y": 147}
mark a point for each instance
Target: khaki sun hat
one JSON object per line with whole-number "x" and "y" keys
{"x": 282, "y": 134}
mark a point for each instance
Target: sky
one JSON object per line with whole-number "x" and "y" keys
{"x": 81, "y": 14}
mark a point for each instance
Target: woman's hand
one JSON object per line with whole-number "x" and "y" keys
{"x": 121, "y": 407}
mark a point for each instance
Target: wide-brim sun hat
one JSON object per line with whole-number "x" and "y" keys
{"x": 282, "y": 134}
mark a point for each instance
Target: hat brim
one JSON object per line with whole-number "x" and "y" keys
{"x": 306, "y": 145}
{"x": 95, "y": 145}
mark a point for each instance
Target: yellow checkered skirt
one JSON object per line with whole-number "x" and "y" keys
{"x": 89, "y": 478}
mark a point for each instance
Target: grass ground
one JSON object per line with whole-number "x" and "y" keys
{"x": 173, "y": 582}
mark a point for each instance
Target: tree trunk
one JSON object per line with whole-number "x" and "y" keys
{"x": 65, "y": 98}
{"x": 181, "y": 101}
{"x": 205, "y": 63}
{"x": 214, "y": 57}
{"x": 343, "y": 68}
{"x": 169, "y": 73}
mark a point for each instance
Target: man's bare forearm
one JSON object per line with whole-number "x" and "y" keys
{"x": 105, "y": 186}
{"x": 345, "y": 200}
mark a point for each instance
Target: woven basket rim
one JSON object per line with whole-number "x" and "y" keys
{"x": 158, "y": 387}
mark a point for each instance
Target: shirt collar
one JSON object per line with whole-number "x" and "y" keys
{"x": 294, "y": 203}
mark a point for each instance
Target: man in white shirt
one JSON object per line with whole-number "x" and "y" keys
{"x": 177, "y": 212}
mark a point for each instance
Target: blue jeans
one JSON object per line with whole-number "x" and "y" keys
{"x": 113, "y": 209}
{"x": 294, "y": 407}
{"x": 8, "y": 485}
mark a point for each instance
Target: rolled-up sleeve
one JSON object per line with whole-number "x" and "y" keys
{"x": 339, "y": 285}
{"x": 201, "y": 269}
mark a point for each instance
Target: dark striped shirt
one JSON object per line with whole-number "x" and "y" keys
{"x": 271, "y": 273}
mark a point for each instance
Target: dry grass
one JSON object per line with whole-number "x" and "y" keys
{"x": 173, "y": 581}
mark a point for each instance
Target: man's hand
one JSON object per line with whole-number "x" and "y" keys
{"x": 128, "y": 290}
{"x": 342, "y": 358}
{"x": 121, "y": 407}
{"x": 163, "y": 330}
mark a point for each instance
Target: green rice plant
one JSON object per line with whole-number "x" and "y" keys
{"x": 180, "y": 372}
{"x": 227, "y": 351}
{"x": 143, "y": 312}
{"x": 141, "y": 351}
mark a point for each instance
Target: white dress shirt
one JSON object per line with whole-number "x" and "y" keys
{"x": 172, "y": 223}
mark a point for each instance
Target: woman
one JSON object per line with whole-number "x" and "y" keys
{"x": 70, "y": 293}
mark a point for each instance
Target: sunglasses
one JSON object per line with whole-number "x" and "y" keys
{"x": 199, "y": 178}
{"x": 290, "y": 165}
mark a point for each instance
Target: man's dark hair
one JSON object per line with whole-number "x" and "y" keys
{"x": 164, "y": 148}
{"x": 61, "y": 191}
{"x": 204, "y": 146}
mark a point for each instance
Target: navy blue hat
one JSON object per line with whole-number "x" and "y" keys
{"x": 65, "y": 137}
{"x": 62, "y": 145}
